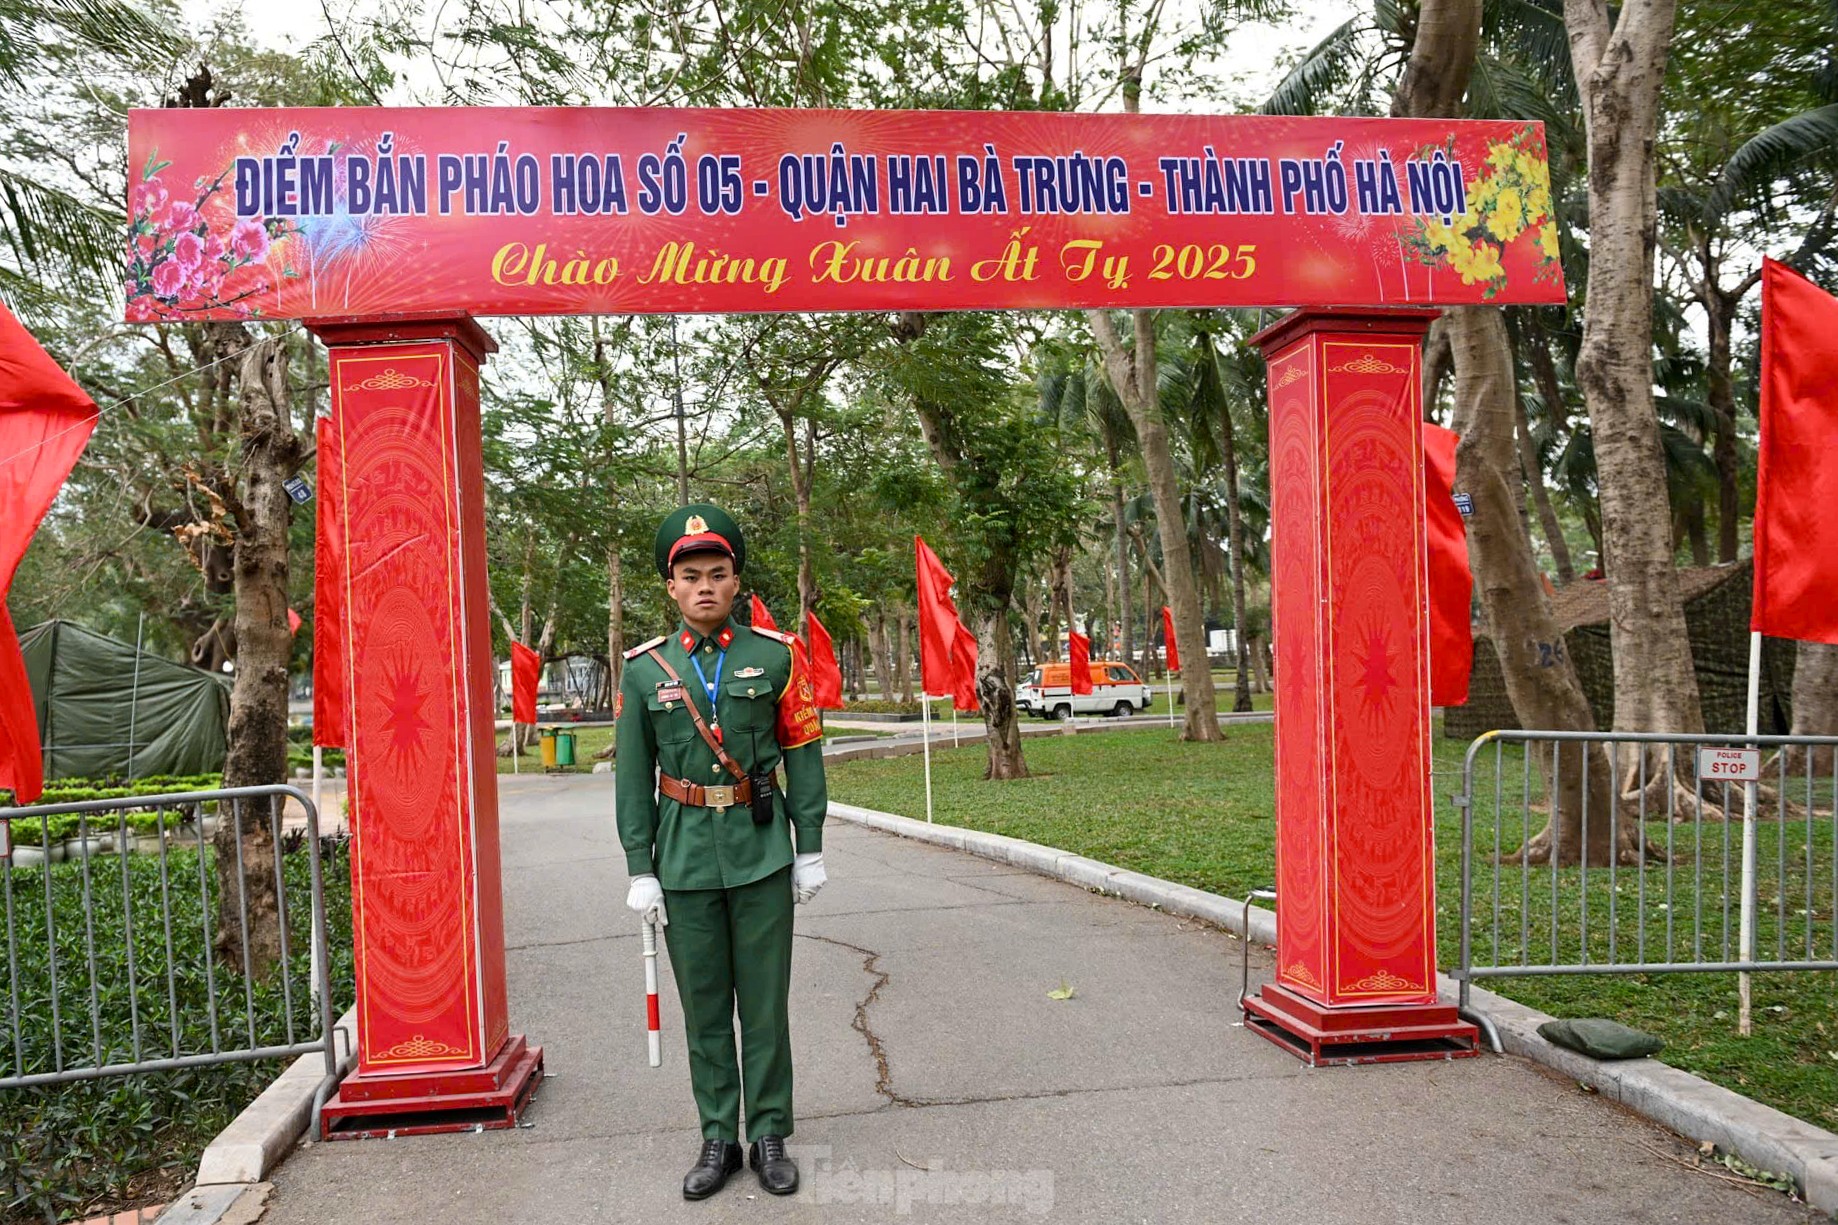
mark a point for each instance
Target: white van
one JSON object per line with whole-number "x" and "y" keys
{"x": 1115, "y": 690}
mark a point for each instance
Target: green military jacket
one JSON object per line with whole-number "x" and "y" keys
{"x": 767, "y": 716}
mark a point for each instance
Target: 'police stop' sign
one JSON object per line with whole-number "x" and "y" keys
{"x": 1731, "y": 765}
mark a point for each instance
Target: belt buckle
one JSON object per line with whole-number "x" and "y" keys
{"x": 718, "y": 798}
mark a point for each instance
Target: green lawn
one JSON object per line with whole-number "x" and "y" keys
{"x": 1203, "y": 815}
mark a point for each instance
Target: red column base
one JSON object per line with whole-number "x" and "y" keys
{"x": 1381, "y": 1033}
{"x": 424, "y": 1103}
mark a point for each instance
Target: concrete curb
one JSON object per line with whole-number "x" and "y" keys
{"x": 1761, "y": 1135}
{"x": 1183, "y": 901}
{"x": 256, "y": 1141}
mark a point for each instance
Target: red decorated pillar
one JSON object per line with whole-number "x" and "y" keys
{"x": 434, "y": 1047}
{"x": 1355, "y": 854}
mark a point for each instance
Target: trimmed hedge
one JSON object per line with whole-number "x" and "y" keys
{"x": 74, "y": 1150}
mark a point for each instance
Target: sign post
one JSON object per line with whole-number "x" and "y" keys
{"x": 1355, "y": 867}
{"x": 434, "y": 1047}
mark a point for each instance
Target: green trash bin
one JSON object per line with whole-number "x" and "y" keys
{"x": 564, "y": 748}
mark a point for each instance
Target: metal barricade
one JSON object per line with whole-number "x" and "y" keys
{"x": 1642, "y": 861}
{"x": 111, "y": 965}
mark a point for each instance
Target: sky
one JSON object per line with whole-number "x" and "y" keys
{"x": 1259, "y": 52}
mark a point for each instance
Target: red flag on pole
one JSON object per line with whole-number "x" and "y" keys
{"x": 937, "y": 620}
{"x": 45, "y": 421}
{"x": 1078, "y": 651}
{"x": 330, "y": 722}
{"x": 1174, "y": 654}
{"x": 1450, "y": 581}
{"x": 293, "y": 622}
{"x": 761, "y": 617}
{"x": 526, "y": 670}
{"x": 963, "y": 668}
{"x": 826, "y": 676}
{"x": 1796, "y": 476}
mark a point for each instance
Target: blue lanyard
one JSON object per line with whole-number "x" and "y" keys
{"x": 709, "y": 686}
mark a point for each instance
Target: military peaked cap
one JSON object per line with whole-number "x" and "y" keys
{"x": 699, "y": 528}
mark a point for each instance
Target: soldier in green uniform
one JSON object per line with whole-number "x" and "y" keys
{"x": 716, "y": 708}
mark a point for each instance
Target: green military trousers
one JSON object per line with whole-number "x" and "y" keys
{"x": 730, "y": 949}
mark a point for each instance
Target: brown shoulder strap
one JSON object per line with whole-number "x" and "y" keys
{"x": 708, "y": 737}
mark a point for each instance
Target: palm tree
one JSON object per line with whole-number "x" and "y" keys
{"x": 47, "y": 233}
{"x": 1201, "y": 385}
{"x": 1080, "y": 402}
{"x": 1741, "y": 161}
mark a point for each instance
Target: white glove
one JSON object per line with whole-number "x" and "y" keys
{"x": 646, "y": 897}
{"x": 807, "y": 875}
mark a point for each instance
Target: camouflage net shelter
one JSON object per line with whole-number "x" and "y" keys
{"x": 1717, "y": 619}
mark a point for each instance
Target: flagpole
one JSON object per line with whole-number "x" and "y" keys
{"x": 954, "y": 740}
{"x": 925, "y": 708}
{"x": 1170, "y": 678}
{"x": 1746, "y": 934}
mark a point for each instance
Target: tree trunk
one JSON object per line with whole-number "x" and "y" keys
{"x": 1815, "y": 703}
{"x": 1030, "y": 609}
{"x": 1132, "y": 376}
{"x": 1126, "y": 640}
{"x": 615, "y": 614}
{"x": 1720, "y": 390}
{"x": 883, "y": 657}
{"x": 1533, "y": 473}
{"x": 801, "y": 493}
{"x": 1619, "y": 71}
{"x": 995, "y": 692}
{"x": 1110, "y": 606}
{"x": 1260, "y": 657}
{"x": 1541, "y": 680}
{"x": 1234, "y": 535}
{"x": 1436, "y": 360}
{"x": 1058, "y": 568}
{"x": 1697, "y": 533}
{"x": 1148, "y": 615}
{"x": 1544, "y": 373}
{"x": 903, "y": 664}
{"x": 257, "y": 737}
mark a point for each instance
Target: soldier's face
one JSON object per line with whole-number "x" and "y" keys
{"x": 704, "y": 587}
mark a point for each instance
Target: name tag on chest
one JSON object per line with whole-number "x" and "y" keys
{"x": 670, "y": 692}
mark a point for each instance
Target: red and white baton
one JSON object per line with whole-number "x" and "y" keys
{"x": 652, "y": 1025}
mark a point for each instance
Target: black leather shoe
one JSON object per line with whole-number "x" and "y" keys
{"x": 710, "y": 1173}
{"x": 777, "y": 1172}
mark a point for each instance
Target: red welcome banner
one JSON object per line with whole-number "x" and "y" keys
{"x": 314, "y": 212}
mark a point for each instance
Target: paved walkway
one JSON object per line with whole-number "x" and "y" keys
{"x": 937, "y": 1081}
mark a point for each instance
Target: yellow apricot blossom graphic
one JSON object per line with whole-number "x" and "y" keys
{"x": 1509, "y": 202}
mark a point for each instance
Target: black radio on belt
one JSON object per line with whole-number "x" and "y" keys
{"x": 765, "y": 786}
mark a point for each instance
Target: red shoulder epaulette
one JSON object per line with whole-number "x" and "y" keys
{"x": 775, "y": 635}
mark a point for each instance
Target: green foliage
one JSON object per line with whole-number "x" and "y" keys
{"x": 67, "y": 1150}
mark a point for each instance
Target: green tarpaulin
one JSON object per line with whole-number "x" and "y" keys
{"x": 103, "y": 706}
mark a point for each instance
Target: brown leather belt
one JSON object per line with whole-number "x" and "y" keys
{"x": 697, "y": 796}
